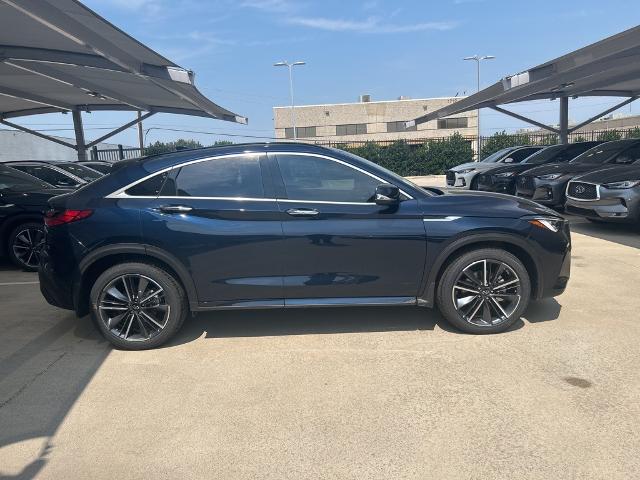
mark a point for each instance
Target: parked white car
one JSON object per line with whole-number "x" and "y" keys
{"x": 463, "y": 176}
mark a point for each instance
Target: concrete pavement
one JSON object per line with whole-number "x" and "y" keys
{"x": 353, "y": 393}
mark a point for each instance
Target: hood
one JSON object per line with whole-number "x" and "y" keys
{"x": 564, "y": 168}
{"x": 612, "y": 174}
{"x": 483, "y": 204}
{"x": 477, "y": 166}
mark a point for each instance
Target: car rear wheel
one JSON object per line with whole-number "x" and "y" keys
{"x": 484, "y": 291}
{"x": 138, "y": 306}
{"x": 25, "y": 242}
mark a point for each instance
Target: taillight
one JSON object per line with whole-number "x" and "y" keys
{"x": 53, "y": 218}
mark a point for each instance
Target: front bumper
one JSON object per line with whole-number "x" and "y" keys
{"x": 491, "y": 183}
{"x": 546, "y": 192}
{"x": 622, "y": 205}
{"x": 460, "y": 180}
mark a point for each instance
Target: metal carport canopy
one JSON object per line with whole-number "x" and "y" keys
{"x": 59, "y": 56}
{"x": 610, "y": 67}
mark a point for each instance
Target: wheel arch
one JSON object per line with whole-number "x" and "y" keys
{"x": 10, "y": 223}
{"x": 511, "y": 243}
{"x": 103, "y": 258}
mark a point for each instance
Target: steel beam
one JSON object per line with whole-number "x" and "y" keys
{"x": 81, "y": 147}
{"x": 602, "y": 114}
{"x": 37, "y": 134}
{"x": 120, "y": 129}
{"x": 526, "y": 119}
{"x": 564, "y": 120}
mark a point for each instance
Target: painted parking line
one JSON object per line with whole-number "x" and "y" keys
{"x": 18, "y": 283}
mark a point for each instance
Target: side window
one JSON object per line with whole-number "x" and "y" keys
{"x": 319, "y": 179}
{"x": 149, "y": 188}
{"x": 235, "y": 176}
{"x": 520, "y": 155}
{"x": 628, "y": 156}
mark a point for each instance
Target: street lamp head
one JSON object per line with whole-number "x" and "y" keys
{"x": 281, "y": 64}
{"x": 487, "y": 57}
{"x": 475, "y": 57}
{"x": 299, "y": 63}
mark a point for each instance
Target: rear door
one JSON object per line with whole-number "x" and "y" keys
{"x": 220, "y": 218}
{"x": 339, "y": 245}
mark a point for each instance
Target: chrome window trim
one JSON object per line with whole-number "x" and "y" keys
{"x": 597, "y": 185}
{"x": 120, "y": 193}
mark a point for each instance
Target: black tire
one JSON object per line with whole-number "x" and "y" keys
{"x": 23, "y": 245}
{"x": 452, "y": 275}
{"x": 172, "y": 296}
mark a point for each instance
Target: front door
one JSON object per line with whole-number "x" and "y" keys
{"x": 219, "y": 218}
{"x": 339, "y": 244}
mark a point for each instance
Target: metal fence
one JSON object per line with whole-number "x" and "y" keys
{"x": 523, "y": 138}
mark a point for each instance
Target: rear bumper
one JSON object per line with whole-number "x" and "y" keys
{"x": 56, "y": 289}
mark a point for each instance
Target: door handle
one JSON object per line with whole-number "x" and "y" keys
{"x": 303, "y": 212}
{"x": 175, "y": 208}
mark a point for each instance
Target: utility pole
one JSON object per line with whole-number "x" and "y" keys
{"x": 478, "y": 59}
{"x": 293, "y": 113}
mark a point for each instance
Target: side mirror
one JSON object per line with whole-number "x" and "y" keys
{"x": 508, "y": 160}
{"x": 387, "y": 194}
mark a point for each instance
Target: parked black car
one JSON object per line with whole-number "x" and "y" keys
{"x": 48, "y": 173}
{"x": 23, "y": 201}
{"x": 100, "y": 166}
{"x": 547, "y": 184}
{"x": 502, "y": 178}
{"x": 610, "y": 195}
{"x": 86, "y": 173}
{"x": 290, "y": 225}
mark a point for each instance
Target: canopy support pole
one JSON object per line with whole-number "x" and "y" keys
{"x": 602, "y": 114}
{"x": 81, "y": 147}
{"x": 564, "y": 120}
{"x": 525, "y": 119}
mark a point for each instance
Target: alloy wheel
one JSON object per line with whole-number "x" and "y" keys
{"x": 487, "y": 292}
{"x": 133, "y": 307}
{"x": 26, "y": 246}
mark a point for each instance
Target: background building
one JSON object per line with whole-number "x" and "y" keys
{"x": 367, "y": 120}
{"x": 16, "y": 145}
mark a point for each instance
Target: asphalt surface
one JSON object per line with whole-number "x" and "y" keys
{"x": 357, "y": 393}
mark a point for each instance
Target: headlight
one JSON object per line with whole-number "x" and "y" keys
{"x": 625, "y": 184}
{"x": 549, "y": 223}
{"x": 506, "y": 174}
{"x": 550, "y": 176}
{"x": 466, "y": 170}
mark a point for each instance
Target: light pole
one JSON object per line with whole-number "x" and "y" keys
{"x": 478, "y": 59}
{"x": 293, "y": 113}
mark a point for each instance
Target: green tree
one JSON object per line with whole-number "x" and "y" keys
{"x": 610, "y": 136}
{"x": 633, "y": 133}
{"x": 165, "y": 147}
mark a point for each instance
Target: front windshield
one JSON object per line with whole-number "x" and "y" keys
{"x": 48, "y": 174}
{"x": 544, "y": 155}
{"x": 80, "y": 171}
{"x": 15, "y": 181}
{"x": 495, "y": 156}
{"x": 601, "y": 154}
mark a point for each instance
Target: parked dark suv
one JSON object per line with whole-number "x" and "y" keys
{"x": 290, "y": 225}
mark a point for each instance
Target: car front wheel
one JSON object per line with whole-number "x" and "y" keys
{"x": 137, "y": 306}
{"x": 484, "y": 291}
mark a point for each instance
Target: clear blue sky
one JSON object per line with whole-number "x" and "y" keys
{"x": 383, "y": 47}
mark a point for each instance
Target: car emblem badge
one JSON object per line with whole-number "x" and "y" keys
{"x": 580, "y": 189}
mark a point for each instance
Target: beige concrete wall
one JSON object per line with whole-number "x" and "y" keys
{"x": 375, "y": 114}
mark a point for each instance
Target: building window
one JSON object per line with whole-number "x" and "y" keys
{"x": 302, "y": 132}
{"x": 351, "y": 129}
{"x": 393, "y": 127}
{"x": 453, "y": 122}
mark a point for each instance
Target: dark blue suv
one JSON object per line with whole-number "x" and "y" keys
{"x": 290, "y": 225}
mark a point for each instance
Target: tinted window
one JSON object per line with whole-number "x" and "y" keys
{"x": 80, "y": 171}
{"x": 460, "y": 122}
{"x": 237, "y": 176}
{"x": 393, "y": 127}
{"x": 18, "y": 181}
{"x": 351, "y": 129}
{"x": 49, "y": 175}
{"x": 601, "y": 153}
{"x": 320, "y": 179}
{"x": 149, "y": 188}
{"x": 628, "y": 156}
{"x": 495, "y": 156}
{"x": 519, "y": 155}
{"x": 301, "y": 132}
